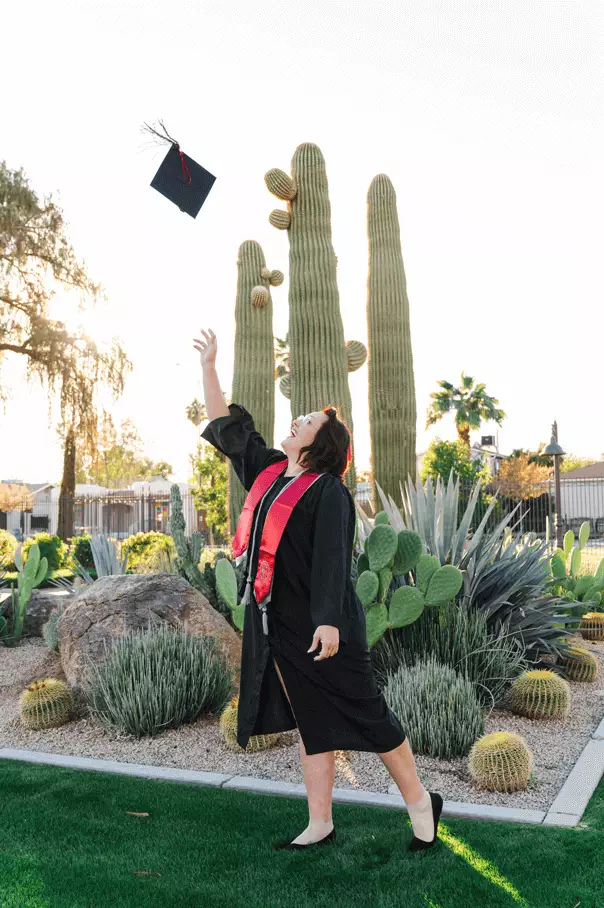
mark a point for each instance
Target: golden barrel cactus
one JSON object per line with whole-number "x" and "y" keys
{"x": 257, "y": 743}
{"x": 540, "y": 694}
{"x": 580, "y": 664}
{"x": 45, "y": 704}
{"x": 501, "y": 761}
{"x": 592, "y": 626}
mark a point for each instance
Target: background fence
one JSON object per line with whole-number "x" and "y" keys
{"x": 121, "y": 514}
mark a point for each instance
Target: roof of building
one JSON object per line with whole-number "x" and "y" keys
{"x": 593, "y": 471}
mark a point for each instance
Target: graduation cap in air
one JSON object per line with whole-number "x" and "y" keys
{"x": 179, "y": 178}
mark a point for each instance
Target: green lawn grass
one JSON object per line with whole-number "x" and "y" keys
{"x": 67, "y": 841}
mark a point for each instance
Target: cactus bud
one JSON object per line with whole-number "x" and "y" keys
{"x": 356, "y": 353}
{"x": 259, "y": 297}
{"x": 280, "y": 184}
{"x": 265, "y": 274}
{"x": 280, "y": 219}
{"x": 276, "y": 278}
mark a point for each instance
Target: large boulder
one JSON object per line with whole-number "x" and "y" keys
{"x": 39, "y": 607}
{"x": 116, "y": 605}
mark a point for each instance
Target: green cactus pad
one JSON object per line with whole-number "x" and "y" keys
{"x": 426, "y": 567}
{"x": 569, "y": 541}
{"x": 558, "y": 566}
{"x": 385, "y": 581}
{"x": 226, "y": 582}
{"x": 594, "y": 596}
{"x": 377, "y": 623}
{"x": 408, "y": 550}
{"x": 584, "y": 534}
{"x": 362, "y": 564}
{"x": 238, "y": 614}
{"x": 381, "y": 517}
{"x": 575, "y": 562}
{"x": 444, "y": 585}
{"x": 406, "y": 605}
{"x": 381, "y": 546}
{"x": 280, "y": 219}
{"x": 280, "y": 184}
{"x": 600, "y": 570}
{"x": 583, "y": 584}
{"x": 367, "y": 587}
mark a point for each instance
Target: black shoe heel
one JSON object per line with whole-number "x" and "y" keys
{"x": 437, "y": 806}
{"x": 290, "y": 846}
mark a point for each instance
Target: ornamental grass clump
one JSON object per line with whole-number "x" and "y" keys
{"x": 540, "y": 694}
{"x": 459, "y": 637}
{"x": 501, "y": 761}
{"x": 438, "y": 709}
{"x": 157, "y": 679}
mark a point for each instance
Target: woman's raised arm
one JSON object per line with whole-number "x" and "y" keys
{"x": 214, "y": 398}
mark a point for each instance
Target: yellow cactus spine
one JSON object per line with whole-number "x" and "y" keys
{"x": 501, "y": 761}
{"x": 540, "y": 694}
{"x": 45, "y": 704}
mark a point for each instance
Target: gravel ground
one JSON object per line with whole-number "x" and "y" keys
{"x": 556, "y": 745}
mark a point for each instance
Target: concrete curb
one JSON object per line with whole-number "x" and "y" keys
{"x": 565, "y": 811}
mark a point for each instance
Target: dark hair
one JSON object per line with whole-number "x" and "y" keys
{"x": 331, "y": 448}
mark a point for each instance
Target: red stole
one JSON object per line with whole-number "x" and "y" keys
{"x": 274, "y": 525}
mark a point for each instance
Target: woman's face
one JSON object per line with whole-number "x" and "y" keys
{"x": 304, "y": 429}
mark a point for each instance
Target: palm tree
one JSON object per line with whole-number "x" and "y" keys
{"x": 196, "y": 412}
{"x": 471, "y": 403}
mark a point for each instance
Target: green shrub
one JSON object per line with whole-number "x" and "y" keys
{"x": 438, "y": 709}
{"x": 459, "y": 637}
{"x": 143, "y": 550}
{"x": 82, "y": 550}
{"x": 159, "y": 678}
{"x": 51, "y": 547}
{"x": 8, "y": 544}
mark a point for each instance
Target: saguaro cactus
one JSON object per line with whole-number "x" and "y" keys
{"x": 392, "y": 407}
{"x": 254, "y": 365}
{"x": 318, "y": 356}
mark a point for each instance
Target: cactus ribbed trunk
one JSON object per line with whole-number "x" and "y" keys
{"x": 318, "y": 358}
{"x": 392, "y": 406}
{"x": 254, "y": 364}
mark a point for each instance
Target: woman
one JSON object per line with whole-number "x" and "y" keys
{"x": 319, "y": 677}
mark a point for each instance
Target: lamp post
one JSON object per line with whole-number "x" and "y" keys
{"x": 554, "y": 450}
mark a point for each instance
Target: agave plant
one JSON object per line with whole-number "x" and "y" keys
{"x": 106, "y": 562}
{"x": 505, "y": 575}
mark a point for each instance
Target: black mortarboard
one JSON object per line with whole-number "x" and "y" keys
{"x": 181, "y": 179}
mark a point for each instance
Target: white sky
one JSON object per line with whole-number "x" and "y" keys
{"x": 487, "y": 116}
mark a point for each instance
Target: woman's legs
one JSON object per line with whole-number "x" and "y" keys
{"x": 401, "y": 766}
{"x": 319, "y": 774}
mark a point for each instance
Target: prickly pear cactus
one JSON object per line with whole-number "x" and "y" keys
{"x": 392, "y": 406}
{"x": 567, "y": 580}
{"x": 501, "y": 761}
{"x": 387, "y": 555}
{"x": 540, "y": 694}
{"x": 318, "y": 355}
{"x": 226, "y": 584}
{"x": 257, "y": 743}
{"x": 254, "y": 362}
{"x": 45, "y": 704}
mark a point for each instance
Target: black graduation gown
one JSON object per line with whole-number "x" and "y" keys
{"x": 336, "y": 702}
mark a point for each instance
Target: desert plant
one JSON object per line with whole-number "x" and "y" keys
{"x": 188, "y": 548}
{"x": 592, "y": 626}
{"x": 158, "y": 678}
{"x": 51, "y": 547}
{"x": 256, "y": 743}
{"x": 227, "y": 587}
{"x": 567, "y": 579}
{"x": 8, "y": 547}
{"x": 580, "y": 665}
{"x": 318, "y": 356}
{"x": 142, "y": 550}
{"x": 540, "y": 694}
{"x": 391, "y": 556}
{"x": 49, "y": 629}
{"x": 45, "y": 704}
{"x": 501, "y": 761}
{"x": 31, "y": 574}
{"x": 459, "y": 637}
{"x": 392, "y": 407}
{"x": 438, "y": 709}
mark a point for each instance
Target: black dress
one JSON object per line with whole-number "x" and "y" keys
{"x": 336, "y": 702}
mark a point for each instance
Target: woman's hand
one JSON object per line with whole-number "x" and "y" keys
{"x": 207, "y": 348}
{"x": 329, "y": 638}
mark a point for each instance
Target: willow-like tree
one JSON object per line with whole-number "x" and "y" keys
{"x": 470, "y": 403}
{"x": 36, "y": 261}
